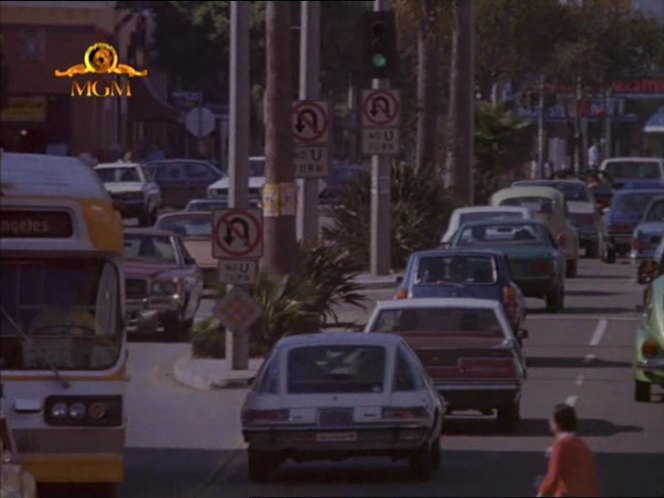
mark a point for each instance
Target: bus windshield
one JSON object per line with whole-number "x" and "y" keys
{"x": 67, "y": 311}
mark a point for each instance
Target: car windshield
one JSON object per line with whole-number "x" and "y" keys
{"x": 488, "y": 235}
{"x": 187, "y": 226}
{"x": 257, "y": 167}
{"x": 120, "y": 174}
{"x": 633, "y": 204}
{"x": 75, "y": 326}
{"x": 634, "y": 169}
{"x": 539, "y": 205}
{"x": 655, "y": 211}
{"x": 456, "y": 270}
{"x": 489, "y": 215}
{"x": 571, "y": 191}
{"x": 149, "y": 249}
{"x": 336, "y": 369}
{"x": 439, "y": 320}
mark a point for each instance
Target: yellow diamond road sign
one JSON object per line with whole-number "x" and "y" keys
{"x": 237, "y": 310}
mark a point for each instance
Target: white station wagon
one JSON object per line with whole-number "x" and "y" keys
{"x": 334, "y": 395}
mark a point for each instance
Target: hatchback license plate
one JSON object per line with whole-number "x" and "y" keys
{"x": 336, "y": 437}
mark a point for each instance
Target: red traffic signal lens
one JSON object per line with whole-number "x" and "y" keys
{"x": 378, "y": 28}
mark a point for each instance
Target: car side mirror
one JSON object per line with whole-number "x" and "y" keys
{"x": 399, "y": 280}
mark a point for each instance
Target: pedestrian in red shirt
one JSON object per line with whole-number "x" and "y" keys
{"x": 572, "y": 468}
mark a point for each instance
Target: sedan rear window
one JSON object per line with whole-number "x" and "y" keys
{"x": 488, "y": 235}
{"x": 187, "y": 226}
{"x": 492, "y": 215}
{"x": 452, "y": 321}
{"x": 634, "y": 169}
{"x": 456, "y": 270}
{"x": 113, "y": 175}
{"x": 336, "y": 369}
{"x": 538, "y": 205}
{"x": 655, "y": 212}
{"x": 149, "y": 248}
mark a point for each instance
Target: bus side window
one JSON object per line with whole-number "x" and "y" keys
{"x": 106, "y": 311}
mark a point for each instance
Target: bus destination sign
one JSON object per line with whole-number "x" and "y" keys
{"x": 24, "y": 224}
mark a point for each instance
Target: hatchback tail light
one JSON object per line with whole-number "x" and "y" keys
{"x": 401, "y": 294}
{"x": 509, "y": 296}
{"x": 408, "y": 412}
{"x": 649, "y": 348}
{"x": 265, "y": 416}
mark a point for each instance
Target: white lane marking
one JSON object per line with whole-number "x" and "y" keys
{"x": 599, "y": 332}
{"x": 588, "y": 358}
{"x": 571, "y": 399}
{"x": 580, "y": 379}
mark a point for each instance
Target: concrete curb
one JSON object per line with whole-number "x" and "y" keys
{"x": 207, "y": 374}
{"x": 378, "y": 284}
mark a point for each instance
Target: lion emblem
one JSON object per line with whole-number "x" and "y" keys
{"x": 101, "y": 58}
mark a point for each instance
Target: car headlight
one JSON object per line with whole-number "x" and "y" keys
{"x": 164, "y": 287}
{"x": 59, "y": 410}
{"x": 77, "y": 411}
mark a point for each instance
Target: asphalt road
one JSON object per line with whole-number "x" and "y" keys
{"x": 187, "y": 443}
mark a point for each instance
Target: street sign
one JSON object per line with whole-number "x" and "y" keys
{"x": 237, "y": 310}
{"x": 237, "y": 233}
{"x": 238, "y": 271}
{"x": 200, "y": 121}
{"x": 380, "y": 141}
{"x": 311, "y": 123}
{"x": 380, "y": 108}
{"x": 312, "y": 162}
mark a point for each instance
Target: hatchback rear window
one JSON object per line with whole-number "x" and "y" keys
{"x": 452, "y": 321}
{"x": 336, "y": 369}
{"x": 634, "y": 169}
{"x": 538, "y": 205}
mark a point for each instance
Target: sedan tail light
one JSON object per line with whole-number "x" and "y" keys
{"x": 408, "y": 412}
{"x": 649, "y": 348}
{"x": 401, "y": 294}
{"x": 509, "y": 296}
{"x": 264, "y": 416}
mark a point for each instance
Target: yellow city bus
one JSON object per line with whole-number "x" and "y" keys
{"x": 62, "y": 338}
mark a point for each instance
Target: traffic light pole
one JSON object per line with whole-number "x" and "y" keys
{"x": 307, "y": 205}
{"x": 381, "y": 232}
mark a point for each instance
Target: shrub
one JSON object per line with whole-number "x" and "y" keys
{"x": 420, "y": 211}
{"x": 208, "y": 339}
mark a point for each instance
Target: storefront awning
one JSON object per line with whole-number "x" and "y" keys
{"x": 655, "y": 123}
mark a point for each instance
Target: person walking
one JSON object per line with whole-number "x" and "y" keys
{"x": 572, "y": 468}
{"x": 593, "y": 155}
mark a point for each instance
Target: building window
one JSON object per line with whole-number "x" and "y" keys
{"x": 34, "y": 46}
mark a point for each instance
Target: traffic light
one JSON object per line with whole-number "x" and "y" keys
{"x": 380, "y": 46}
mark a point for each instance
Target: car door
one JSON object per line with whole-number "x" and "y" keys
{"x": 197, "y": 177}
{"x": 170, "y": 176}
{"x": 192, "y": 275}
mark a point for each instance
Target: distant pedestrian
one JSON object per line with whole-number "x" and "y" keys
{"x": 572, "y": 467}
{"x": 593, "y": 155}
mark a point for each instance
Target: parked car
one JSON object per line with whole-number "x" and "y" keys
{"x": 468, "y": 348}
{"x": 646, "y": 238}
{"x": 181, "y": 180}
{"x": 550, "y": 207}
{"x": 162, "y": 282}
{"x": 195, "y": 230}
{"x": 583, "y": 212}
{"x": 477, "y": 213}
{"x": 134, "y": 194}
{"x": 649, "y": 343}
{"x": 536, "y": 263}
{"x": 339, "y": 395}
{"x": 643, "y": 184}
{"x": 215, "y": 204}
{"x": 219, "y": 188}
{"x": 464, "y": 273}
{"x": 622, "y": 169}
{"x": 626, "y": 211}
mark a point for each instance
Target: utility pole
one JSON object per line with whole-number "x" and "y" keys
{"x": 307, "y": 206}
{"x": 279, "y": 192}
{"x": 541, "y": 128}
{"x": 237, "y": 341}
{"x": 381, "y": 229}
{"x": 460, "y": 162}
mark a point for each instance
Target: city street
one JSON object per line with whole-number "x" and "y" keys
{"x": 187, "y": 443}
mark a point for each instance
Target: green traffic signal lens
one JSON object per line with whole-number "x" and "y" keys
{"x": 379, "y": 60}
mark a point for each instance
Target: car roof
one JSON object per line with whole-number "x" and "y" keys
{"x": 147, "y": 231}
{"x": 207, "y": 199}
{"x": 632, "y": 159}
{"x": 180, "y": 214}
{"x": 525, "y": 183}
{"x": 638, "y": 191}
{"x": 441, "y": 302}
{"x": 46, "y": 175}
{"x": 492, "y": 221}
{"x": 457, "y": 252}
{"x": 325, "y": 338}
{"x": 118, "y": 164}
{"x": 528, "y": 191}
{"x": 475, "y": 209}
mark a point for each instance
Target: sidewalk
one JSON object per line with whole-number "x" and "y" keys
{"x": 206, "y": 374}
{"x": 369, "y": 281}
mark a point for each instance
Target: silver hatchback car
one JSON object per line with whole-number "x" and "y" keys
{"x": 337, "y": 395}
